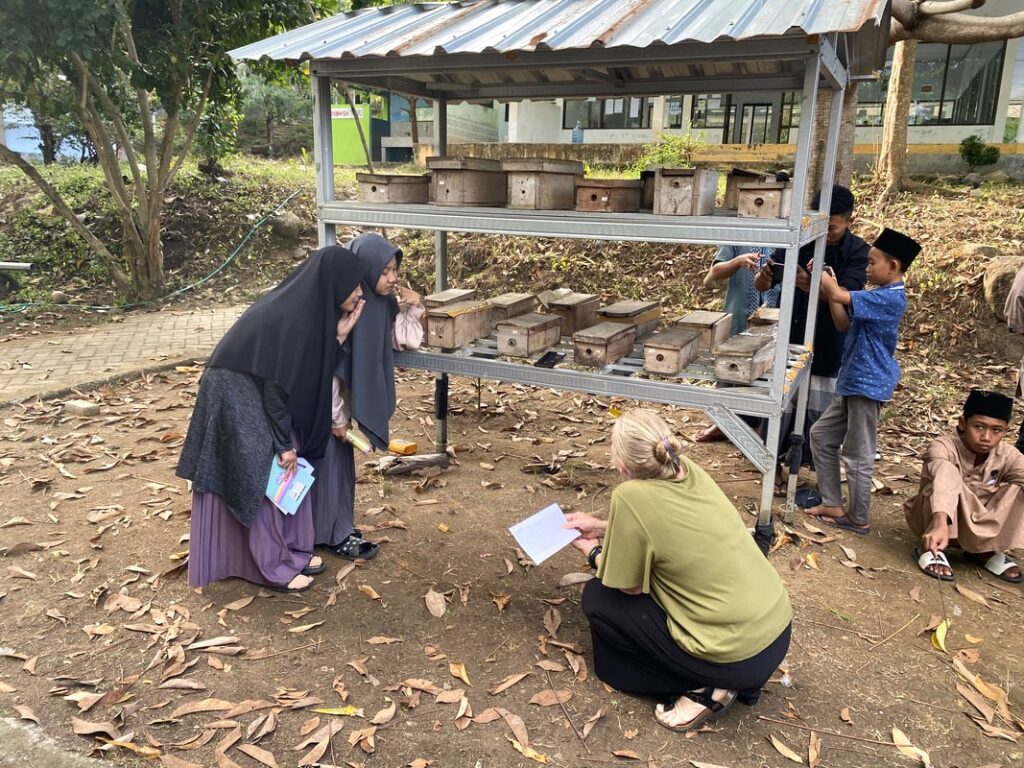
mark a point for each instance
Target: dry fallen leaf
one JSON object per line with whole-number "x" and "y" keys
{"x": 508, "y": 682}
{"x": 899, "y": 738}
{"x": 239, "y": 604}
{"x": 436, "y": 603}
{"x": 26, "y": 713}
{"x": 85, "y": 728}
{"x": 20, "y": 573}
{"x": 369, "y": 591}
{"x": 501, "y": 601}
{"x": 784, "y": 750}
{"x": 813, "y": 749}
{"x": 385, "y": 715}
{"x": 592, "y": 721}
{"x": 970, "y": 594}
{"x": 550, "y": 697}
{"x": 379, "y": 640}
{"x": 305, "y": 627}
{"x": 939, "y": 636}
{"x": 458, "y": 669}
{"x": 844, "y": 715}
{"x": 526, "y": 751}
{"x": 626, "y": 754}
{"x": 258, "y": 754}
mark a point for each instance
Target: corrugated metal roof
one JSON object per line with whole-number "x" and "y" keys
{"x": 506, "y": 26}
{"x": 515, "y": 49}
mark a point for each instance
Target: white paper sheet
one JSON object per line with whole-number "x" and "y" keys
{"x": 541, "y": 535}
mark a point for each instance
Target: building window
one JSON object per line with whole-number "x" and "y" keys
{"x": 673, "y": 112}
{"x": 953, "y": 85}
{"x": 789, "y": 117}
{"x": 711, "y": 110}
{"x": 628, "y": 112}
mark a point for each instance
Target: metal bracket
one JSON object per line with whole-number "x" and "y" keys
{"x": 742, "y": 436}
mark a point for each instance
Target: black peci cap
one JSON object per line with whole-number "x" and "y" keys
{"x": 898, "y": 246}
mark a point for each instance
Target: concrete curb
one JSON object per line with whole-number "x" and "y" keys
{"x": 25, "y": 745}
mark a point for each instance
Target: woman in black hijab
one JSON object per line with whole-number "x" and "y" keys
{"x": 366, "y": 372}
{"x": 266, "y": 393}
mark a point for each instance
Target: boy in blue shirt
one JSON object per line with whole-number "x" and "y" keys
{"x": 868, "y": 376}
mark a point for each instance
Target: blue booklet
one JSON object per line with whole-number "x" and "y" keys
{"x": 288, "y": 494}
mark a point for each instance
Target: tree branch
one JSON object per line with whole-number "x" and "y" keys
{"x": 121, "y": 280}
{"x": 939, "y": 7}
{"x": 119, "y": 126}
{"x": 191, "y": 133}
{"x": 944, "y": 22}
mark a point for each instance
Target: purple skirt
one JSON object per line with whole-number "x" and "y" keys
{"x": 334, "y": 492}
{"x": 273, "y": 551}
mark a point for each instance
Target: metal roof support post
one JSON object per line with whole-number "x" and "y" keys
{"x": 827, "y": 176}
{"x": 805, "y": 137}
{"x": 440, "y": 272}
{"x": 323, "y": 158}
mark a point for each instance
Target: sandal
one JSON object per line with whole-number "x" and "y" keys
{"x": 999, "y": 564}
{"x": 354, "y": 547}
{"x": 314, "y": 570}
{"x": 712, "y": 709}
{"x": 289, "y": 590}
{"x": 927, "y": 559}
{"x": 845, "y": 523}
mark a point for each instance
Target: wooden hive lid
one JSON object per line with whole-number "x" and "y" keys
{"x": 701, "y": 317}
{"x": 448, "y": 296}
{"x": 677, "y": 171}
{"x": 627, "y": 308}
{"x": 542, "y": 165}
{"x": 603, "y": 332}
{"x": 531, "y": 320}
{"x": 760, "y": 185}
{"x": 507, "y": 299}
{"x": 458, "y": 308}
{"x": 572, "y": 299}
{"x": 743, "y": 344}
{"x": 461, "y": 163}
{"x": 671, "y": 338}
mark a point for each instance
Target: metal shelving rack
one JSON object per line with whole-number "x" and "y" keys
{"x": 424, "y": 57}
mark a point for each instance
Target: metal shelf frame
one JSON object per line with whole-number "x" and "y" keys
{"x": 812, "y": 60}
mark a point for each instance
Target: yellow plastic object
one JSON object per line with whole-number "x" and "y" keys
{"x": 402, "y": 447}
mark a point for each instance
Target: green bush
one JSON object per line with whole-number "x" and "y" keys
{"x": 671, "y": 151}
{"x": 976, "y": 153}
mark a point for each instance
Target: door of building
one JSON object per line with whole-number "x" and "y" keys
{"x": 754, "y": 124}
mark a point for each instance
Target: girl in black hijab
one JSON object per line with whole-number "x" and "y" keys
{"x": 266, "y": 393}
{"x": 366, "y": 372}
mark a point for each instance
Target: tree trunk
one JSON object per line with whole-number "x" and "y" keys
{"x": 47, "y": 142}
{"x": 892, "y": 165}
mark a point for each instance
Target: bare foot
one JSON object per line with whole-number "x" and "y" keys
{"x": 711, "y": 434}
{"x": 823, "y": 511}
{"x": 686, "y": 713}
{"x": 315, "y": 561}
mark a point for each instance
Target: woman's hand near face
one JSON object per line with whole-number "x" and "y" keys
{"x": 408, "y": 296}
{"x": 591, "y": 527}
{"x": 347, "y": 323}
{"x": 289, "y": 460}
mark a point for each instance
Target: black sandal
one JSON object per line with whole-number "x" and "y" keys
{"x": 354, "y": 548}
{"x": 314, "y": 570}
{"x": 712, "y": 709}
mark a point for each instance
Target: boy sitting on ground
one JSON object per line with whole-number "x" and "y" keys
{"x": 867, "y": 378}
{"x": 970, "y": 493}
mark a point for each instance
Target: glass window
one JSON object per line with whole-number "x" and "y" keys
{"x": 673, "y": 112}
{"x": 789, "y": 117}
{"x": 709, "y": 110}
{"x": 627, "y": 112}
{"x": 953, "y": 85}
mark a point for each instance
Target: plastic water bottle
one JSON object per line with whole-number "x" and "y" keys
{"x": 577, "y": 133}
{"x": 358, "y": 440}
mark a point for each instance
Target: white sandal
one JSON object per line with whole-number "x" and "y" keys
{"x": 999, "y": 564}
{"x": 927, "y": 559}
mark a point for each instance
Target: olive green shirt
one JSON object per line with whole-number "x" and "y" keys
{"x": 683, "y": 543}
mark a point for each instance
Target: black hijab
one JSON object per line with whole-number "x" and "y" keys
{"x": 289, "y": 336}
{"x": 370, "y": 369}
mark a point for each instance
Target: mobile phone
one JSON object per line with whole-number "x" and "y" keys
{"x": 777, "y": 270}
{"x": 549, "y": 359}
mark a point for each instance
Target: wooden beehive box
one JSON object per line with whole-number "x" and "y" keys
{"x": 577, "y": 310}
{"x": 524, "y": 335}
{"x": 603, "y": 343}
{"x": 642, "y": 314}
{"x": 744, "y": 358}
{"x": 670, "y": 351}
{"x": 455, "y": 325}
{"x": 511, "y": 305}
{"x": 608, "y": 195}
{"x": 541, "y": 184}
{"x": 712, "y": 328}
{"x": 736, "y": 177}
{"x": 470, "y": 181}
{"x": 764, "y": 199}
{"x": 393, "y": 188}
{"x": 685, "y": 191}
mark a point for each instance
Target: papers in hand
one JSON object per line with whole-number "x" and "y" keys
{"x": 541, "y": 535}
{"x": 287, "y": 495}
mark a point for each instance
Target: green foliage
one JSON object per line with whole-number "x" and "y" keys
{"x": 1010, "y": 132}
{"x": 671, "y": 151}
{"x": 277, "y": 114}
{"x": 976, "y": 153}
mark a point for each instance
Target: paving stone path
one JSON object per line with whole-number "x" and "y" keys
{"x": 45, "y": 364}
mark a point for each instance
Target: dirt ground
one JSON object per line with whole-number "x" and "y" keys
{"x": 93, "y": 524}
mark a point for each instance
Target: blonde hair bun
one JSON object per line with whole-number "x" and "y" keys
{"x": 646, "y": 446}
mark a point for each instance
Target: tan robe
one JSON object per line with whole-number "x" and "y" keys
{"x": 984, "y": 505}
{"x": 1014, "y": 312}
